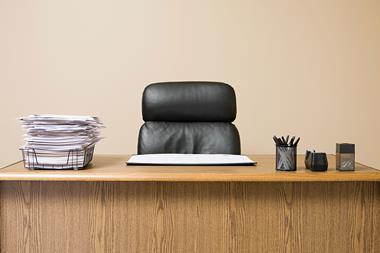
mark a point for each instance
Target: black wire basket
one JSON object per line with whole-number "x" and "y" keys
{"x": 59, "y": 160}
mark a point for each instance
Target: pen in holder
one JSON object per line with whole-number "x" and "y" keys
{"x": 286, "y": 153}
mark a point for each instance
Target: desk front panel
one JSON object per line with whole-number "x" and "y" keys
{"x": 189, "y": 217}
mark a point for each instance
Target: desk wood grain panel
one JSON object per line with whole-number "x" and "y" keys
{"x": 189, "y": 217}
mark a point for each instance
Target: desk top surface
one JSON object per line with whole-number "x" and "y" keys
{"x": 114, "y": 168}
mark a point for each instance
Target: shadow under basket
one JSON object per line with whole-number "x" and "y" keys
{"x": 58, "y": 160}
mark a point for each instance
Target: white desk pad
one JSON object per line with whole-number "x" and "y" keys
{"x": 190, "y": 159}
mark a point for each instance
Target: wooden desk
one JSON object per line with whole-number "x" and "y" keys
{"x": 111, "y": 207}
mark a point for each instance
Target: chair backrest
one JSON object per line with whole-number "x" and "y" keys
{"x": 189, "y": 118}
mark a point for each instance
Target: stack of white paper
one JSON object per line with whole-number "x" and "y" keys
{"x": 55, "y": 139}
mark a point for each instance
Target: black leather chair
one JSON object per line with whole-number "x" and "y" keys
{"x": 189, "y": 118}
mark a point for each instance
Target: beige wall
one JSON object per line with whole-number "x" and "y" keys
{"x": 301, "y": 67}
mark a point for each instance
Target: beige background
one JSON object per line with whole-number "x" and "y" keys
{"x": 309, "y": 68}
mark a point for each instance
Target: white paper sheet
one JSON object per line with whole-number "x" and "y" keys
{"x": 60, "y": 132}
{"x": 59, "y": 141}
{"x": 190, "y": 159}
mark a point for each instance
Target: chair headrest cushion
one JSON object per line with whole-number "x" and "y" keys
{"x": 189, "y": 102}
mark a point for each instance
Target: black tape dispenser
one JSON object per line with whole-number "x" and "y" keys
{"x": 316, "y": 161}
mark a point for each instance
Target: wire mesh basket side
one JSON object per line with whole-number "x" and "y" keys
{"x": 71, "y": 159}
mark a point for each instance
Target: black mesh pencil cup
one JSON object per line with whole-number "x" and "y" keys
{"x": 286, "y": 153}
{"x": 286, "y": 158}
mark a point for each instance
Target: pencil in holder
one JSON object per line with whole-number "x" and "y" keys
{"x": 286, "y": 158}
